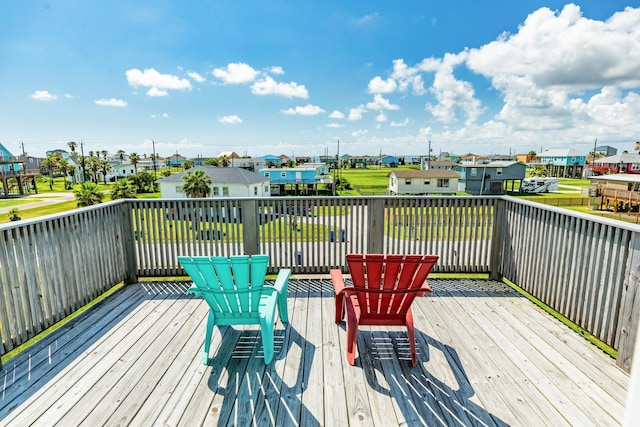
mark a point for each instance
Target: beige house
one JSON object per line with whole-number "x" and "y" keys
{"x": 414, "y": 182}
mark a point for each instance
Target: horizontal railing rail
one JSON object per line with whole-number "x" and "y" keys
{"x": 583, "y": 266}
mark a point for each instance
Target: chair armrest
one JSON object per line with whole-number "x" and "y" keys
{"x": 338, "y": 281}
{"x": 193, "y": 289}
{"x": 282, "y": 280}
{"x": 425, "y": 289}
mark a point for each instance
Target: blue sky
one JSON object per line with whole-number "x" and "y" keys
{"x": 296, "y": 77}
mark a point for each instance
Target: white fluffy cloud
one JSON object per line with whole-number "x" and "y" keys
{"x": 335, "y": 114}
{"x": 268, "y": 86}
{"x": 357, "y": 112}
{"x": 307, "y": 110}
{"x": 378, "y": 85}
{"x": 43, "y": 95}
{"x": 196, "y": 76}
{"x": 157, "y": 83}
{"x": 381, "y": 103}
{"x": 236, "y": 73}
{"x": 399, "y": 124}
{"x": 230, "y": 120}
{"x": 111, "y": 102}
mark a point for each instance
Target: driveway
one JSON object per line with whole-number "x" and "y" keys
{"x": 41, "y": 199}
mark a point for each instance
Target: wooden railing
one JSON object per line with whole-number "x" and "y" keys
{"x": 583, "y": 266}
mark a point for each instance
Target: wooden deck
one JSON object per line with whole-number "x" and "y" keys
{"x": 486, "y": 357}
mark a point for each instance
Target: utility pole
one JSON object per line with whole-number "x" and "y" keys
{"x": 593, "y": 158}
{"x": 84, "y": 172}
{"x": 153, "y": 143}
{"x": 429, "y": 158}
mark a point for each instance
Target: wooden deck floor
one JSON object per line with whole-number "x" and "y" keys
{"x": 486, "y": 357}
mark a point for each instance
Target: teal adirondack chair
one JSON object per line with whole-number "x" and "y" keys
{"x": 235, "y": 291}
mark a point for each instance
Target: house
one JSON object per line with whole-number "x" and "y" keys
{"x": 121, "y": 171}
{"x": 620, "y": 163}
{"x": 388, "y": 161}
{"x": 527, "y": 158}
{"x": 271, "y": 160}
{"x": 489, "y": 178}
{"x": 619, "y": 192}
{"x": 563, "y": 163}
{"x": 423, "y": 182}
{"x": 174, "y": 161}
{"x": 605, "y": 150}
{"x": 473, "y": 158}
{"x": 308, "y": 176}
{"x": 436, "y": 164}
{"x": 251, "y": 163}
{"x": 225, "y": 182}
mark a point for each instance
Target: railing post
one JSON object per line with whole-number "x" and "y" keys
{"x": 630, "y": 307}
{"x": 250, "y": 227}
{"x": 128, "y": 243}
{"x": 375, "y": 221}
{"x": 495, "y": 272}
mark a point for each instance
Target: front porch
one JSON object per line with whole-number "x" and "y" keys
{"x": 487, "y": 356}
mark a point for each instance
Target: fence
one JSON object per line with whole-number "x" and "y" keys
{"x": 583, "y": 266}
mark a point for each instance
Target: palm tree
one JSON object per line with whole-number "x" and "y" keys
{"x": 50, "y": 164}
{"x": 211, "y": 162}
{"x": 124, "y": 189}
{"x": 88, "y": 194}
{"x": 64, "y": 166}
{"x": 196, "y": 184}
{"x": 121, "y": 155}
{"x": 134, "y": 159}
{"x": 187, "y": 164}
{"x": 94, "y": 167}
{"x": 104, "y": 154}
{"x": 636, "y": 146}
{"x": 223, "y": 161}
{"x": 14, "y": 215}
{"x": 105, "y": 167}
{"x": 72, "y": 146}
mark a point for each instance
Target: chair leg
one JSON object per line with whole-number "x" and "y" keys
{"x": 266, "y": 333}
{"x": 339, "y": 307}
{"x": 352, "y": 331}
{"x": 411, "y": 335}
{"x": 207, "y": 337}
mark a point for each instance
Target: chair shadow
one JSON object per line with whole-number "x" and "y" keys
{"x": 255, "y": 393}
{"x": 421, "y": 396}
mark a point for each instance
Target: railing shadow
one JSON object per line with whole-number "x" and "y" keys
{"x": 254, "y": 394}
{"x": 422, "y": 397}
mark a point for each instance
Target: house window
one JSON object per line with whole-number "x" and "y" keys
{"x": 635, "y": 166}
{"x": 225, "y": 191}
{"x": 427, "y": 182}
{"x": 474, "y": 171}
{"x": 179, "y": 189}
{"x": 255, "y": 191}
{"x": 407, "y": 181}
{"x": 215, "y": 191}
{"x": 266, "y": 189}
{"x": 498, "y": 171}
{"x": 283, "y": 174}
{"x": 443, "y": 182}
{"x": 266, "y": 174}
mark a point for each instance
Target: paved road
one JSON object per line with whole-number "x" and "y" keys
{"x": 41, "y": 199}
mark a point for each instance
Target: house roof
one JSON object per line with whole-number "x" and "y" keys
{"x": 619, "y": 177}
{"x": 489, "y": 165}
{"x": 221, "y": 175}
{"x": 442, "y": 163}
{"x": 562, "y": 152}
{"x": 229, "y": 154}
{"x": 619, "y": 158}
{"x": 412, "y": 173}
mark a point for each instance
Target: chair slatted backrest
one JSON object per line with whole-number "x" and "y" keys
{"x": 229, "y": 285}
{"x": 388, "y": 284}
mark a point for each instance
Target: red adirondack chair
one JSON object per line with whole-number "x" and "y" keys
{"x": 384, "y": 286}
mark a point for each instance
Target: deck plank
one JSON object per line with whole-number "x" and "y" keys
{"x": 486, "y": 357}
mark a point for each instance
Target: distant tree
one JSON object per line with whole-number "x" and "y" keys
{"x": 532, "y": 154}
{"x": 121, "y": 155}
{"x": 105, "y": 167}
{"x": 223, "y": 161}
{"x": 94, "y": 167}
{"x": 65, "y": 167}
{"x": 72, "y": 145}
{"x": 124, "y": 189}
{"x": 88, "y": 194}
{"x": 211, "y": 162}
{"x": 187, "y": 164}
{"x": 50, "y": 164}
{"x": 134, "y": 159}
{"x": 144, "y": 181}
{"x": 636, "y": 146}
{"x": 104, "y": 154}
{"x": 165, "y": 173}
{"x": 196, "y": 184}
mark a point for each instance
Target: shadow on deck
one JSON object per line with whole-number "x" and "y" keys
{"x": 487, "y": 356}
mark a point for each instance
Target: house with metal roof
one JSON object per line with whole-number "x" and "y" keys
{"x": 438, "y": 181}
{"x": 225, "y": 182}
{"x": 489, "y": 178}
{"x": 563, "y": 163}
